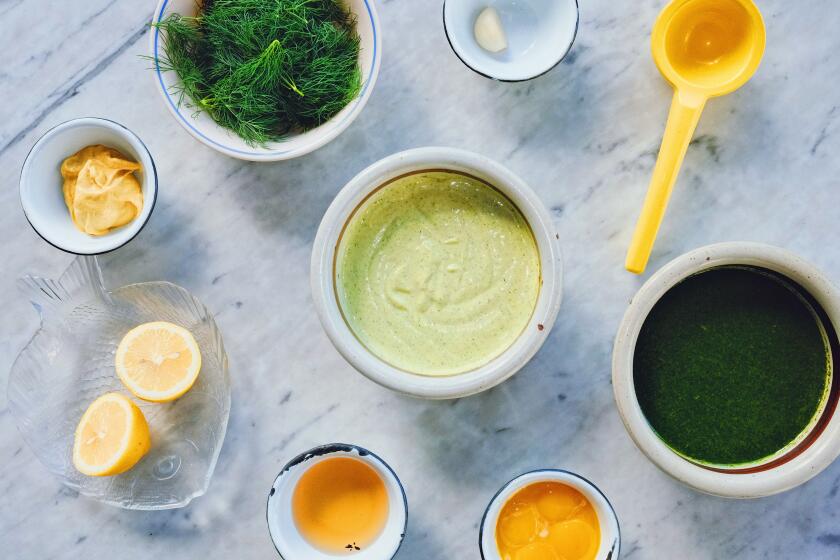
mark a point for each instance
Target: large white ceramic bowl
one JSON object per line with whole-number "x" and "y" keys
{"x": 323, "y": 277}
{"x": 610, "y": 547}
{"x": 205, "y": 130}
{"x": 793, "y": 468}
{"x": 41, "y": 194}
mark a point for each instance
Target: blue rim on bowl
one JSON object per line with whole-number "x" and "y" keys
{"x": 235, "y": 147}
{"x": 149, "y": 170}
{"x": 581, "y": 484}
{"x": 344, "y": 449}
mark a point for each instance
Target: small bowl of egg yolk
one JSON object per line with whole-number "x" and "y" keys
{"x": 549, "y": 515}
{"x": 337, "y": 500}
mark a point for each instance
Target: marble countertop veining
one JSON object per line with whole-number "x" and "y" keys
{"x": 763, "y": 167}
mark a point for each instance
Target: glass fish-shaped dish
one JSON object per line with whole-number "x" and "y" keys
{"x": 70, "y": 362}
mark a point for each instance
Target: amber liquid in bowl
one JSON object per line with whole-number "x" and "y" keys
{"x": 340, "y": 505}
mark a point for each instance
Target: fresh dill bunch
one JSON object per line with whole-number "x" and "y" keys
{"x": 183, "y": 44}
{"x": 264, "y": 68}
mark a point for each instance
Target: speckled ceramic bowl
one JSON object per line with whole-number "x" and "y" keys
{"x": 785, "y": 470}
{"x": 288, "y": 541}
{"x": 610, "y": 546}
{"x": 323, "y": 273}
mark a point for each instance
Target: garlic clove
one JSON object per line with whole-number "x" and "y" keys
{"x": 489, "y": 33}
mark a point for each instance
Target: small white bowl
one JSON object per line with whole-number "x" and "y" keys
{"x": 206, "y": 131}
{"x": 792, "y": 469}
{"x": 610, "y": 532}
{"x": 323, "y": 278}
{"x": 41, "y": 184}
{"x": 540, "y": 34}
{"x": 288, "y": 541}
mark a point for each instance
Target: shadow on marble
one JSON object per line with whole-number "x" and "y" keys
{"x": 514, "y": 424}
{"x": 420, "y": 542}
{"x": 144, "y": 260}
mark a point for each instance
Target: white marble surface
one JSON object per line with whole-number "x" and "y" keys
{"x": 763, "y": 168}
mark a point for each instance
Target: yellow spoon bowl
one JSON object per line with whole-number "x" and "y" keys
{"x": 704, "y": 48}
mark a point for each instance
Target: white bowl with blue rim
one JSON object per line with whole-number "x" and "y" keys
{"x": 206, "y": 131}
{"x": 288, "y": 541}
{"x": 610, "y": 545}
{"x": 41, "y": 183}
{"x": 539, "y": 33}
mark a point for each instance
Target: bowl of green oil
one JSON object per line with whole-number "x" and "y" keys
{"x": 723, "y": 370}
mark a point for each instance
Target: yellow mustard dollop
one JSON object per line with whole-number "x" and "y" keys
{"x": 100, "y": 189}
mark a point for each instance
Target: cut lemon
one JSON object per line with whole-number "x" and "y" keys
{"x": 158, "y": 361}
{"x": 111, "y": 436}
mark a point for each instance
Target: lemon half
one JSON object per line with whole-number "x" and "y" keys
{"x": 158, "y": 361}
{"x": 111, "y": 436}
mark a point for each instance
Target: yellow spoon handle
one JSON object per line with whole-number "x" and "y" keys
{"x": 682, "y": 120}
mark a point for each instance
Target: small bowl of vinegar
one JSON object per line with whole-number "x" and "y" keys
{"x": 337, "y": 500}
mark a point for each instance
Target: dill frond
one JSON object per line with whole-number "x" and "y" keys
{"x": 264, "y": 68}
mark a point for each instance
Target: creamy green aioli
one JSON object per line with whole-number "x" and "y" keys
{"x": 437, "y": 273}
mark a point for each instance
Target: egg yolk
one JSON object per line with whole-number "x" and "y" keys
{"x": 548, "y": 521}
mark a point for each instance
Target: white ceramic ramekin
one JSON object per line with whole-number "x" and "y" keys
{"x": 41, "y": 194}
{"x": 610, "y": 531}
{"x": 206, "y": 131}
{"x": 323, "y": 277}
{"x": 796, "y": 467}
{"x": 540, "y": 34}
{"x": 288, "y": 541}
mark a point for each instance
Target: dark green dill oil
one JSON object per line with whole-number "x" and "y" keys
{"x": 732, "y": 365}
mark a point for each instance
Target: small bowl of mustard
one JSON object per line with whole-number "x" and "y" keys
{"x": 88, "y": 186}
{"x": 436, "y": 272}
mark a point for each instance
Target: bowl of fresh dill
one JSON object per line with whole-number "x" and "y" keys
{"x": 265, "y": 80}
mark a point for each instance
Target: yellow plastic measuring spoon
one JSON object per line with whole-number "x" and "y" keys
{"x": 704, "y": 48}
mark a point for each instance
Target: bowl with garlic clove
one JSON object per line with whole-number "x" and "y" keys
{"x": 511, "y": 40}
